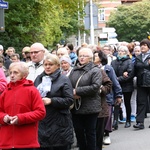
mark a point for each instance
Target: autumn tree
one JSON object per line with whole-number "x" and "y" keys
{"x": 28, "y": 21}
{"x": 132, "y": 22}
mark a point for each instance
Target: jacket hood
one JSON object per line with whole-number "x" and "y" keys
{"x": 23, "y": 82}
{"x": 86, "y": 67}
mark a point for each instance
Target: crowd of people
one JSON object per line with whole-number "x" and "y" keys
{"x": 50, "y": 98}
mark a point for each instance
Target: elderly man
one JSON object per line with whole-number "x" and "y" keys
{"x": 37, "y": 51}
{"x": 7, "y": 62}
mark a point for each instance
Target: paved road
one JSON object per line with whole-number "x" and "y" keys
{"x": 129, "y": 138}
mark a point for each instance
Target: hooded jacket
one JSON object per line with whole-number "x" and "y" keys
{"x": 23, "y": 100}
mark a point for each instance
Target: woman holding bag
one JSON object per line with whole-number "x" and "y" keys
{"x": 86, "y": 80}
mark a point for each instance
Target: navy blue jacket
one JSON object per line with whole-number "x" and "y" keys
{"x": 116, "y": 88}
{"x": 56, "y": 128}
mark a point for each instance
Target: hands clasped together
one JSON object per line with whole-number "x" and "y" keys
{"x": 10, "y": 119}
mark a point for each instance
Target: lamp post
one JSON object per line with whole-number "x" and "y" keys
{"x": 79, "y": 34}
{"x": 91, "y": 23}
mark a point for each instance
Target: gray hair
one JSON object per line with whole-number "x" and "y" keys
{"x": 123, "y": 48}
{"x": 88, "y": 52}
{"x": 22, "y": 66}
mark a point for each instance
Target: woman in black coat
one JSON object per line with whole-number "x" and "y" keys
{"x": 124, "y": 70}
{"x": 86, "y": 80}
{"x": 56, "y": 129}
{"x": 142, "y": 72}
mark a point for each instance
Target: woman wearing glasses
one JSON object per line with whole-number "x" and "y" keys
{"x": 86, "y": 80}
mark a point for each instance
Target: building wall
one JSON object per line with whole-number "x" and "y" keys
{"x": 108, "y": 6}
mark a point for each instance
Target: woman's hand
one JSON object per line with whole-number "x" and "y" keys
{"x": 75, "y": 95}
{"x": 10, "y": 120}
{"x": 46, "y": 100}
{"x": 125, "y": 74}
{"x": 118, "y": 101}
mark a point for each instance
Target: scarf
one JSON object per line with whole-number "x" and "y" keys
{"x": 45, "y": 86}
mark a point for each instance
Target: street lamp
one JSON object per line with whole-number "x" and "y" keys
{"x": 91, "y": 23}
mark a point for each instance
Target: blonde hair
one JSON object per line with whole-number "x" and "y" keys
{"x": 22, "y": 67}
{"x": 53, "y": 59}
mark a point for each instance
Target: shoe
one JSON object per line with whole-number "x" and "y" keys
{"x": 115, "y": 125}
{"x": 122, "y": 121}
{"x": 139, "y": 126}
{"x": 127, "y": 125}
{"x": 133, "y": 118}
{"x": 106, "y": 140}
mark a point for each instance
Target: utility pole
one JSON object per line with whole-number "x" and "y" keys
{"x": 91, "y": 24}
{"x": 79, "y": 34}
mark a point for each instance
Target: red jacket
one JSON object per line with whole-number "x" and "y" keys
{"x": 22, "y": 99}
{"x": 3, "y": 81}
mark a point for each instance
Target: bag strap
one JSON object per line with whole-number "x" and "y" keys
{"x": 78, "y": 100}
{"x": 79, "y": 79}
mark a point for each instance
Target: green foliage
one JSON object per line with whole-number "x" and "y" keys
{"x": 45, "y": 21}
{"x": 131, "y": 22}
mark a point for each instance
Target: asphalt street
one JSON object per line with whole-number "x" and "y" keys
{"x": 129, "y": 138}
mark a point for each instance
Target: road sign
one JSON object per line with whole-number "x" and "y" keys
{"x": 2, "y": 28}
{"x": 87, "y": 17}
{"x": 3, "y": 5}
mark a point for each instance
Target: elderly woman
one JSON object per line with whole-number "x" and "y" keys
{"x": 62, "y": 51}
{"x": 104, "y": 123}
{"x": 124, "y": 70}
{"x": 86, "y": 80}
{"x": 56, "y": 129}
{"x": 21, "y": 108}
{"x": 65, "y": 62}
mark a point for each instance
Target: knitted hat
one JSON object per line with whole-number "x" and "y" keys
{"x": 66, "y": 58}
{"x": 145, "y": 41}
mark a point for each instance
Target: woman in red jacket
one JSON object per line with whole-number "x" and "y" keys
{"x": 21, "y": 108}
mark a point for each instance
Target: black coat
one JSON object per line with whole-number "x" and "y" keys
{"x": 56, "y": 128}
{"x": 88, "y": 88}
{"x": 142, "y": 71}
{"x": 124, "y": 65}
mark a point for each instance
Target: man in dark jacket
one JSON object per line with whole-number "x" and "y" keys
{"x": 142, "y": 68}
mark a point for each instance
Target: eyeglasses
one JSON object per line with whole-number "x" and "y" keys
{"x": 35, "y": 52}
{"x": 106, "y": 49}
{"x": 121, "y": 51}
{"x": 83, "y": 56}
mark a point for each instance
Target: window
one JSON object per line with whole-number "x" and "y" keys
{"x": 101, "y": 14}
